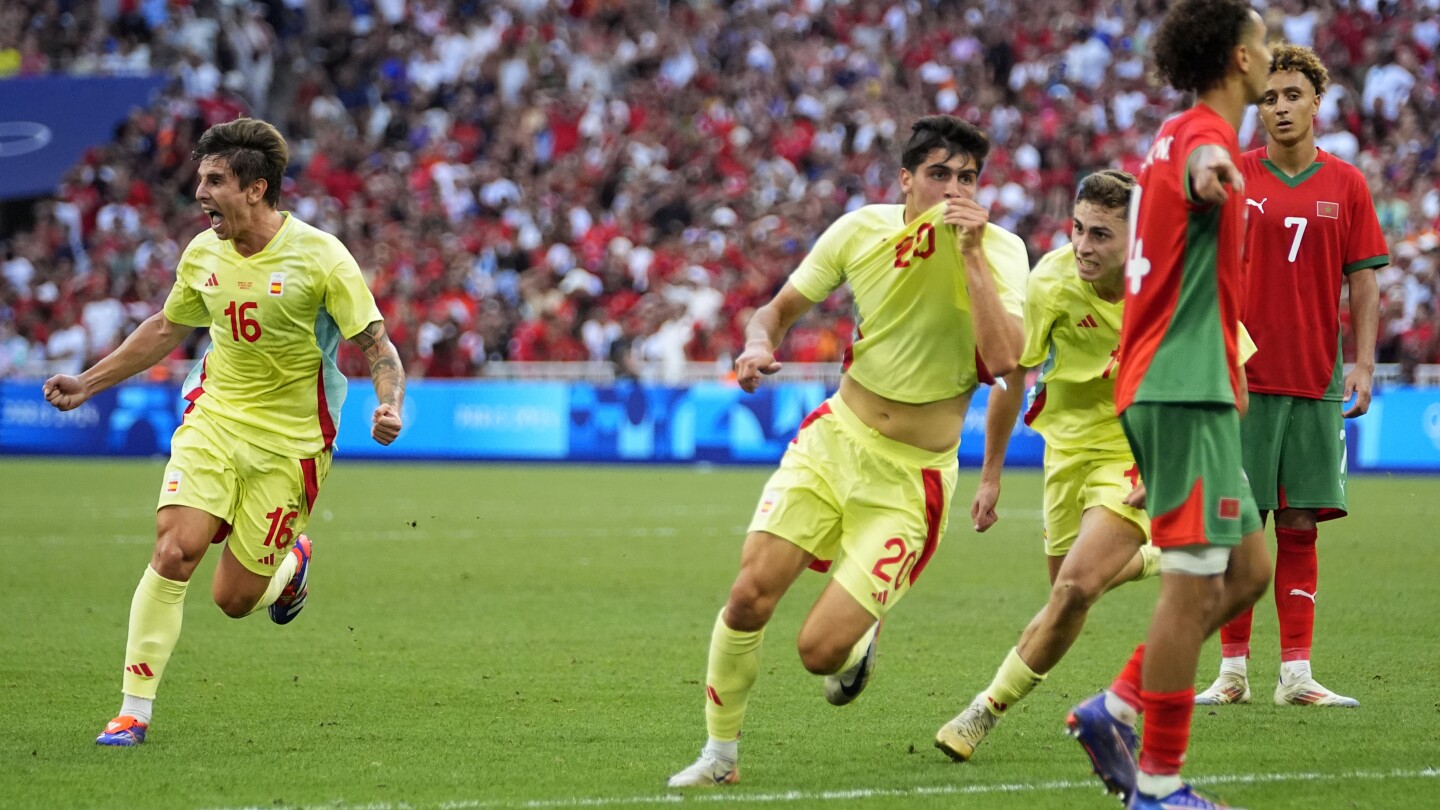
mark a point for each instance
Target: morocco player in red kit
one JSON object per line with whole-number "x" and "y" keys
{"x": 1180, "y": 393}
{"x": 1311, "y": 227}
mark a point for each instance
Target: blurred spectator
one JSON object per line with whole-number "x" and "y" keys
{"x": 68, "y": 345}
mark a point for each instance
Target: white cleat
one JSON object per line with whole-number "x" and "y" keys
{"x": 1229, "y": 688}
{"x": 961, "y": 736}
{"x": 1310, "y": 693}
{"x": 708, "y": 771}
{"x": 843, "y": 687}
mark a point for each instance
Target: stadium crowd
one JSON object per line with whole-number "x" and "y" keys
{"x": 625, "y": 180}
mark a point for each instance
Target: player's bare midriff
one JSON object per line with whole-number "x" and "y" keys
{"x": 933, "y": 426}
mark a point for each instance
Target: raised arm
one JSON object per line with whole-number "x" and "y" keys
{"x": 388, "y": 376}
{"x": 999, "y": 336}
{"x": 1365, "y": 317}
{"x": 767, "y": 328}
{"x": 150, "y": 343}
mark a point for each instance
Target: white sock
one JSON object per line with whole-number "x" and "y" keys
{"x": 138, "y": 708}
{"x": 1294, "y": 671}
{"x": 728, "y": 750}
{"x": 1235, "y": 666}
{"x": 1158, "y": 786}
{"x": 1120, "y": 710}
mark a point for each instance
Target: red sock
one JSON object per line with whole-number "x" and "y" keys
{"x": 1235, "y": 635}
{"x": 1297, "y": 573}
{"x": 1127, "y": 683}
{"x": 1167, "y": 731}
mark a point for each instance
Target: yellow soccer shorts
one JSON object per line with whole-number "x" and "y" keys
{"x": 263, "y": 499}
{"x": 1078, "y": 480}
{"x": 870, "y": 509}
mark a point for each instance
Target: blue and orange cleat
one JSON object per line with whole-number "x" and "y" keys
{"x": 292, "y": 599}
{"x": 1183, "y": 799}
{"x": 1110, "y": 744}
{"x": 123, "y": 731}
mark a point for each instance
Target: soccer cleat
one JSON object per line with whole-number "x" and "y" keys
{"x": 292, "y": 599}
{"x": 843, "y": 687}
{"x": 1109, "y": 743}
{"x": 123, "y": 731}
{"x": 1230, "y": 687}
{"x": 961, "y": 736}
{"x": 707, "y": 771}
{"x": 1310, "y": 693}
{"x": 1183, "y": 799}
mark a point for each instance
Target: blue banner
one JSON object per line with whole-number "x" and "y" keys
{"x": 47, "y": 123}
{"x": 492, "y": 421}
{"x": 130, "y": 420}
{"x": 463, "y": 420}
{"x": 1401, "y": 432}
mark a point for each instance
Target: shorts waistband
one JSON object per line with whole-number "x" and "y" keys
{"x": 899, "y": 451}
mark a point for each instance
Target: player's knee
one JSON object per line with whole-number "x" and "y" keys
{"x": 1252, "y": 584}
{"x": 749, "y": 607}
{"x": 1302, "y": 520}
{"x": 821, "y": 656}
{"x": 236, "y": 606}
{"x": 172, "y": 560}
{"x": 1071, "y": 595}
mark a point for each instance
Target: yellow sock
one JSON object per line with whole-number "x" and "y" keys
{"x": 734, "y": 664}
{"x": 155, "y": 615}
{"x": 1013, "y": 681}
{"x": 858, "y": 651}
{"x": 1149, "y": 562}
{"x": 278, "y": 582}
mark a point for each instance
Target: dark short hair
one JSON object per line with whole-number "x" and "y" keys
{"x": 253, "y": 149}
{"x": 1194, "y": 42}
{"x": 946, "y": 132}
{"x": 1108, "y": 188}
{"x": 1301, "y": 60}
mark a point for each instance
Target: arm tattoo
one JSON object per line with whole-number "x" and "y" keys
{"x": 386, "y": 372}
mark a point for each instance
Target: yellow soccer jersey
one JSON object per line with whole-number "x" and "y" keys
{"x": 1073, "y": 335}
{"x": 914, "y": 341}
{"x": 276, "y": 320}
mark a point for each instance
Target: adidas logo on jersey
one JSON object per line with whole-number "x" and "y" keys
{"x": 212, "y": 281}
{"x": 1088, "y": 322}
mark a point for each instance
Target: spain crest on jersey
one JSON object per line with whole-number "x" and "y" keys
{"x": 277, "y": 283}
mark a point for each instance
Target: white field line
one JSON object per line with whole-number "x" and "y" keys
{"x": 728, "y": 796}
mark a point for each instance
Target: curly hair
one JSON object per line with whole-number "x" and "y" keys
{"x": 1193, "y": 45}
{"x": 253, "y": 149}
{"x": 1107, "y": 188}
{"x": 954, "y": 135}
{"x": 1301, "y": 60}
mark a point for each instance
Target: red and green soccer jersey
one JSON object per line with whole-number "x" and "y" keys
{"x": 1184, "y": 277}
{"x": 1306, "y": 233}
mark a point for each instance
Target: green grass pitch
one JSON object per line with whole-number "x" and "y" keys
{"x": 512, "y": 637}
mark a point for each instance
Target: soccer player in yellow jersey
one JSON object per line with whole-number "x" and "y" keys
{"x": 864, "y": 489}
{"x": 1095, "y": 537}
{"x": 247, "y": 462}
